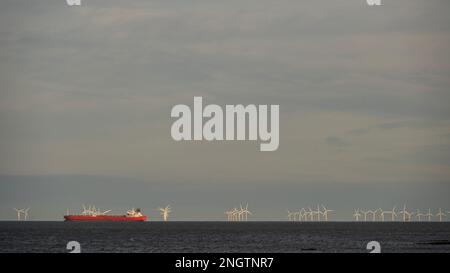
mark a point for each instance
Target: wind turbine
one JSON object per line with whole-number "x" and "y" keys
{"x": 429, "y": 215}
{"x": 240, "y": 213}
{"x": 303, "y": 215}
{"x": 365, "y": 215}
{"x": 374, "y": 214}
{"x": 382, "y": 215}
{"x": 318, "y": 212}
{"x": 299, "y": 214}
{"x": 19, "y": 213}
{"x": 419, "y": 215}
{"x": 325, "y": 212}
{"x": 246, "y": 212}
{"x": 296, "y": 216}
{"x": 25, "y": 213}
{"x": 391, "y": 212}
{"x": 306, "y": 214}
{"x": 406, "y": 215}
{"x": 311, "y": 213}
{"x": 440, "y": 214}
{"x": 357, "y": 214}
{"x": 165, "y": 212}
{"x": 234, "y": 214}
{"x": 290, "y": 215}
{"x": 228, "y": 213}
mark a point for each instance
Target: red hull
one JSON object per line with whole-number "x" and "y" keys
{"x": 104, "y": 218}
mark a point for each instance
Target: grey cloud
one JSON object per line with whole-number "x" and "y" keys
{"x": 89, "y": 90}
{"x": 336, "y": 141}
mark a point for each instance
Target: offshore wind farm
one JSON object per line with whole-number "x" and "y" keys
{"x": 307, "y": 229}
{"x": 320, "y": 213}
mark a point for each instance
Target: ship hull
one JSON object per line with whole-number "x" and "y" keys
{"x": 114, "y": 218}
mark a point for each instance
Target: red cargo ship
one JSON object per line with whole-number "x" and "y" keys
{"x": 93, "y": 214}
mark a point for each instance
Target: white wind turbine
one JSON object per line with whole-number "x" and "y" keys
{"x": 440, "y": 214}
{"x": 357, "y": 214}
{"x": 373, "y": 213}
{"x": 429, "y": 215}
{"x": 85, "y": 211}
{"x": 382, "y": 214}
{"x": 300, "y": 214}
{"x": 234, "y": 214}
{"x": 391, "y": 212}
{"x": 165, "y": 212}
{"x": 318, "y": 212}
{"x": 311, "y": 213}
{"x": 406, "y": 215}
{"x": 246, "y": 212}
{"x": 325, "y": 212}
{"x": 240, "y": 213}
{"x": 419, "y": 215}
{"x": 228, "y": 213}
{"x": 296, "y": 216}
{"x": 365, "y": 214}
{"x": 90, "y": 210}
{"x": 25, "y": 213}
{"x": 290, "y": 215}
{"x": 306, "y": 214}
{"x": 19, "y": 213}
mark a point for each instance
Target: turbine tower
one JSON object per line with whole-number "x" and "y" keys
{"x": 406, "y": 215}
{"x": 357, "y": 214}
{"x": 246, "y": 212}
{"x": 311, "y": 213}
{"x": 240, "y": 213}
{"x": 325, "y": 212}
{"x": 19, "y": 213}
{"x": 365, "y": 215}
{"x": 234, "y": 214}
{"x": 382, "y": 214}
{"x": 290, "y": 215}
{"x": 429, "y": 215}
{"x": 440, "y": 214}
{"x": 374, "y": 214}
{"x": 419, "y": 215}
{"x": 318, "y": 212}
{"x": 229, "y": 214}
{"x": 165, "y": 212}
{"x": 296, "y": 216}
{"x": 303, "y": 215}
{"x": 306, "y": 214}
{"x": 391, "y": 212}
{"x": 25, "y": 213}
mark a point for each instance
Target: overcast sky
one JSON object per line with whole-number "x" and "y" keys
{"x": 86, "y": 94}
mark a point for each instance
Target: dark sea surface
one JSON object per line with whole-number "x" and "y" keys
{"x": 224, "y": 236}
